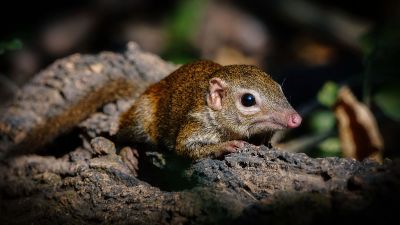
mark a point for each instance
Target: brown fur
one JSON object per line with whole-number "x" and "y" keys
{"x": 174, "y": 113}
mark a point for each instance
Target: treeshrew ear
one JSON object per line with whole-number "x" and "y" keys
{"x": 215, "y": 93}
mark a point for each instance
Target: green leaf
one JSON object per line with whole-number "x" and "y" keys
{"x": 182, "y": 25}
{"x": 321, "y": 121}
{"x": 327, "y": 95}
{"x": 388, "y": 100}
{"x": 12, "y": 45}
{"x": 330, "y": 147}
{"x": 185, "y": 20}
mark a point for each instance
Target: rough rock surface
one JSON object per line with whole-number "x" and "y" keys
{"x": 62, "y": 89}
{"x": 251, "y": 186}
{"x": 86, "y": 182}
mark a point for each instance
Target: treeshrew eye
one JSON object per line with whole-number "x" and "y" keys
{"x": 248, "y": 100}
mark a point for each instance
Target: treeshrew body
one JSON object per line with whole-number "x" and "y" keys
{"x": 205, "y": 109}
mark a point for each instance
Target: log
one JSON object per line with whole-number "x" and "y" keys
{"x": 249, "y": 187}
{"x": 68, "y": 85}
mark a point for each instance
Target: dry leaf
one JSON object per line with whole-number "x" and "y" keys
{"x": 358, "y": 131}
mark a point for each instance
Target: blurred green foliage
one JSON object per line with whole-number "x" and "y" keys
{"x": 380, "y": 82}
{"x": 327, "y": 95}
{"x": 12, "y": 45}
{"x": 182, "y": 26}
{"x": 330, "y": 147}
{"x": 388, "y": 100}
{"x": 381, "y": 49}
{"x": 321, "y": 121}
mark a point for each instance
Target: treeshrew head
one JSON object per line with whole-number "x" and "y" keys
{"x": 248, "y": 101}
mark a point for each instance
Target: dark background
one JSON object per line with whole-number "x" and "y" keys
{"x": 303, "y": 44}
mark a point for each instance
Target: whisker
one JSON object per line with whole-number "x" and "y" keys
{"x": 283, "y": 82}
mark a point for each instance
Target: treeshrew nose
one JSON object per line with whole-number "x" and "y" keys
{"x": 294, "y": 120}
